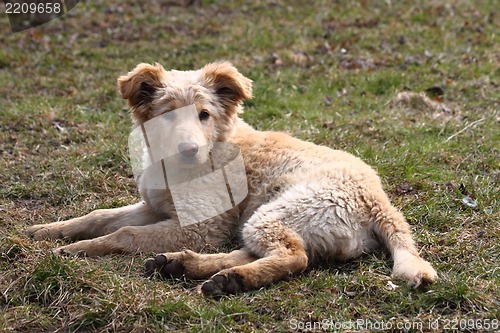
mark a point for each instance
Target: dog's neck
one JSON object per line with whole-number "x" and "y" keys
{"x": 241, "y": 128}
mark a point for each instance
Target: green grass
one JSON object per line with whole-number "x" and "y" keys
{"x": 327, "y": 73}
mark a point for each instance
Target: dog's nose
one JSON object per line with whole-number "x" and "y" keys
{"x": 188, "y": 149}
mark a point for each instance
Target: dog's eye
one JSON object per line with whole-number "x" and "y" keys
{"x": 204, "y": 115}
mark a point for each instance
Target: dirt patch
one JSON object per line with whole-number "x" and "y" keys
{"x": 421, "y": 104}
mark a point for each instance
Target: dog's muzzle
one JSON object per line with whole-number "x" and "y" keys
{"x": 187, "y": 149}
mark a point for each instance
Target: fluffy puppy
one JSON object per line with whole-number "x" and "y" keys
{"x": 304, "y": 203}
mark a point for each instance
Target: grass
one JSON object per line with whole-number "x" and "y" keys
{"x": 329, "y": 73}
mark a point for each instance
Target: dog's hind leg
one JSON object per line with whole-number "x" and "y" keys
{"x": 281, "y": 253}
{"x": 392, "y": 228}
{"x": 95, "y": 224}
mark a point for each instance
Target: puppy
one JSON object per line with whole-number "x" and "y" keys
{"x": 295, "y": 203}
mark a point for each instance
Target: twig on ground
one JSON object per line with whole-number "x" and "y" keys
{"x": 465, "y": 128}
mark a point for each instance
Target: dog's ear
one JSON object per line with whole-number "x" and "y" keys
{"x": 227, "y": 83}
{"x": 140, "y": 85}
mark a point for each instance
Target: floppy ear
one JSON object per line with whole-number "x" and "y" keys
{"x": 228, "y": 84}
{"x": 139, "y": 87}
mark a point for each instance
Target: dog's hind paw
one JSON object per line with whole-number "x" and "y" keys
{"x": 415, "y": 270}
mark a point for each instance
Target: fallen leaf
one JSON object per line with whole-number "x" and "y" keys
{"x": 463, "y": 190}
{"x": 276, "y": 59}
{"x": 328, "y": 100}
{"x": 434, "y": 91}
{"x": 403, "y": 188}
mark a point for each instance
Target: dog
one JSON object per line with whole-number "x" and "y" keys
{"x": 303, "y": 204}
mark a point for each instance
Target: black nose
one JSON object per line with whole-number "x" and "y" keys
{"x": 188, "y": 149}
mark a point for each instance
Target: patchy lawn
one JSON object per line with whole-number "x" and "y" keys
{"x": 410, "y": 87}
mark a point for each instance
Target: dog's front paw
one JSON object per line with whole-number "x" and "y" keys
{"x": 223, "y": 283}
{"x": 69, "y": 250}
{"x": 44, "y": 231}
{"x": 86, "y": 248}
{"x": 164, "y": 265}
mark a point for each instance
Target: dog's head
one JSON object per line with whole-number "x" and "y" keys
{"x": 215, "y": 93}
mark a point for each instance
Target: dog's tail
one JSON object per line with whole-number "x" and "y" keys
{"x": 391, "y": 227}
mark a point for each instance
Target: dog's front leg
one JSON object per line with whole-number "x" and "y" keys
{"x": 97, "y": 223}
{"x": 159, "y": 237}
{"x": 194, "y": 265}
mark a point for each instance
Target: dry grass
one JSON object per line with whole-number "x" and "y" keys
{"x": 328, "y": 73}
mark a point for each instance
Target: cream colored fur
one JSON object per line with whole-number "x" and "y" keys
{"x": 306, "y": 203}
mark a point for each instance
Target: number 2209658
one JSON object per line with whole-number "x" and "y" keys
{"x": 33, "y": 8}
{"x": 470, "y": 324}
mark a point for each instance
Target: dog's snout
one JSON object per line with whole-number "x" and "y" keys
{"x": 188, "y": 149}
